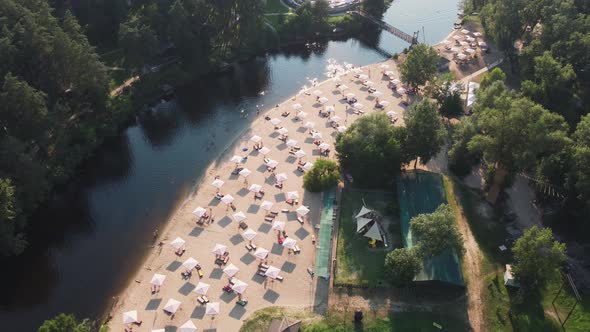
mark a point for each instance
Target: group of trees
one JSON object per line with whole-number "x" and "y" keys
{"x": 324, "y": 174}
{"x": 53, "y": 92}
{"x": 373, "y": 150}
{"x": 435, "y": 232}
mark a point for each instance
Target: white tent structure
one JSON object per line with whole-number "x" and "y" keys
{"x": 217, "y": 183}
{"x": 374, "y": 233}
{"x": 364, "y": 211}
{"x": 289, "y": 243}
{"x": 316, "y": 135}
{"x": 178, "y": 243}
{"x": 189, "y": 326}
{"x": 361, "y": 222}
{"x": 158, "y": 279}
{"x": 283, "y": 131}
{"x": 249, "y": 234}
{"x": 245, "y": 172}
{"x": 172, "y": 306}
{"x": 292, "y": 195}
{"x": 212, "y": 308}
{"x": 324, "y": 146}
{"x": 239, "y": 286}
{"x": 190, "y": 263}
{"x": 302, "y": 210}
{"x": 227, "y": 199}
{"x": 300, "y": 154}
{"x": 266, "y": 205}
{"x": 310, "y": 125}
{"x": 272, "y": 272}
{"x": 219, "y": 249}
{"x": 256, "y": 139}
{"x": 281, "y": 177}
{"x": 275, "y": 121}
{"x": 231, "y": 270}
{"x": 199, "y": 211}
{"x": 239, "y": 216}
{"x": 272, "y": 163}
{"x": 130, "y": 317}
{"x": 202, "y": 288}
{"x": 292, "y": 143}
{"x": 236, "y": 159}
{"x": 255, "y": 188}
{"x": 264, "y": 151}
{"x": 278, "y": 225}
{"x": 261, "y": 253}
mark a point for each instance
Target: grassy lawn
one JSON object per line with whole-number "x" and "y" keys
{"x": 506, "y": 309}
{"x": 403, "y": 321}
{"x": 356, "y": 262}
{"x": 276, "y": 6}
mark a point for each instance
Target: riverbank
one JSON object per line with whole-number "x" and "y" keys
{"x": 297, "y": 289}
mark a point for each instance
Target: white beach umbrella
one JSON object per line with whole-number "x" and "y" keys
{"x": 350, "y": 95}
{"x": 316, "y": 135}
{"x": 292, "y": 143}
{"x": 477, "y": 34}
{"x": 317, "y": 93}
{"x": 401, "y": 91}
{"x": 384, "y": 66}
{"x": 301, "y": 115}
{"x": 255, "y": 188}
{"x": 341, "y": 129}
{"x": 465, "y": 31}
{"x": 389, "y": 73}
{"x": 307, "y": 166}
{"x": 369, "y": 83}
{"x": 239, "y": 216}
{"x": 482, "y": 44}
{"x": 261, "y": 253}
{"x": 283, "y": 131}
{"x": 178, "y": 243}
{"x": 231, "y": 270}
{"x": 236, "y": 159}
{"x": 462, "y": 56}
{"x": 249, "y": 234}
{"x": 391, "y": 114}
{"x": 190, "y": 263}
{"x": 357, "y": 70}
{"x": 377, "y": 94}
{"x": 264, "y": 150}
{"x": 447, "y": 42}
{"x": 272, "y": 163}
{"x": 457, "y": 37}
{"x": 470, "y": 39}
{"x": 302, "y": 210}
{"x": 363, "y": 77}
{"x": 395, "y": 81}
{"x": 272, "y": 272}
{"x": 227, "y": 199}
{"x": 336, "y": 119}
{"x": 172, "y": 306}
{"x": 292, "y": 195}
{"x": 202, "y": 288}
{"x": 266, "y": 205}
{"x": 329, "y": 108}
{"x": 358, "y": 106}
{"x": 189, "y": 326}
{"x": 342, "y": 87}
{"x": 130, "y": 317}
{"x": 275, "y": 121}
{"x": 278, "y": 225}
{"x": 239, "y": 286}
{"x": 212, "y": 308}
{"x": 217, "y": 183}
{"x": 297, "y": 106}
{"x": 384, "y": 103}
{"x": 300, "y": 153}
{"x": 324, "y": 146}
{"x": 323, "y": 100}
{"x": 219, "y": 249}
{"x": 455, "y": 49}
{"x": 245, "y": 172}
{"x": 158, "y": 279}
{"x": 281, "y": 177}
{"x": 309, "y": 125}
{"x": 289, "y": 243}
{"x": 464, "y": 43}
{"x": 256, "y": 139}
{"x": 199, "y": 211}
{"x": 336, "y": 79}
{"x": 470, "y": 51}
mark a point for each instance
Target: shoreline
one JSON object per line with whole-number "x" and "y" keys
{"x": 145, "y": 269}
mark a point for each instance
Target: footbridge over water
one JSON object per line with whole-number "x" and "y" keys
{"x": 411, "y": 39}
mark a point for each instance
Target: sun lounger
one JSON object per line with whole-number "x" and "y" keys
{"x": 263, "y": 266}
{"x": 249, "y": 247}
{"x": 274, "y": 213}
{"x": 243, "y": 225}
{"x": 300, "y": 169}
{"x": 286, "y": 114}
{"x": 301, "y": 163}
{"x": 218, "y": 195}
{"x": 297, "y": 249}
{"x": 285, "y": 210}
{"x": 279, "y": 185}
{"x": 300, "y": 220}
{"x": 269, "y": 219}
{"x": 261, "y": 273}
{"x": 291, "y": 152}
{"x": 201, "y": 300}
{"x": 200, "y": 272}
{"x": 266, "y": 160}
{"x": 242, "y": 302}
{"x": 253, "y": 246}
{"x": 290, "y": 201}
{"x": 279, "y": 278}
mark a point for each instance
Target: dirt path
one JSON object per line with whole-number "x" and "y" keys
{"x": 120, "y": 88}
{"x": 472, "y": 272}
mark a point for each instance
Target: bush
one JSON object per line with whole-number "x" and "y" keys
{"x": 324, "y": 174}
{"x": 402, "y": 265}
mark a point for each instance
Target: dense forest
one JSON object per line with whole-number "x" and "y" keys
{"x": 537, "y": 122}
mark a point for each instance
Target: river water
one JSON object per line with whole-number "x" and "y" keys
{"x": 92, "y": 236}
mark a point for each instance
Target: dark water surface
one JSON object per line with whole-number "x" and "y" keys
{"x": 90, "y": 238}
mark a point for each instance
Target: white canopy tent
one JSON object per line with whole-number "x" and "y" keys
{"x": 158, "y": 279}
{"x": 249, "y": 234}
{"x": 272, "y": 272}
{"x": 172, "y": 306}
{"x": 374, "y": 233}
{"x": 239, "y": 286}
{"x": 261, "y": 253}
{"x": 190, "y": 263}
{"x": 212, "y": 308}
{"x": 189, "y": 326}
{"x": 130, "y": 317}
{"x": 178, "y": 243}
{"x": 231, "y": 270}
{"x": 202, "y": 288}
{"x": 199, "y": 211}
{"x": 363, "y": 212}
{"x": 266, "y": 205}
{"x": 361, "y": 222}
{"x": 219, "y": 249}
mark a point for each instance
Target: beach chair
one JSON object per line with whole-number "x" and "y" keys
{"x": 274, "y": 213}
{"x": 269, "y": 219}
{"x": 201, "y": 300}
{"x": 242, "y": 302}
{"x": 218, "y": 195}
{"x": 297, "y": 249}
{"x": 290, "y": 201}
{"x": 279, "y": 185}
{"x": 232, "y": 280}
{"x": 263, "y": 266}
{"x": 261, "y": 273}
{"x": 249, "y": 247}
{"x": 285, "y": 210}
{"x": 279, "y": 278}
{"x": 254, "y": 247}
{"x": 300, "y": 220}
{"x": 200, "y": 273}
{"x": 243, "y": 225}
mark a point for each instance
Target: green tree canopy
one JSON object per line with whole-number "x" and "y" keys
{"x": 437, "y": 232}
{"x": 447, "y": 94}
{"x": 402, "y": 265}
{"x": 66, "y": 323}
{"x": 139, "y": 42}
{"x": 581, "y": 156}
{"x": 536, "y": 257}
{"x": 502, "y": 23}
{"x": 376, "y": 8}
{"x": 420, "y": 65}
{"x": 324, "y": 174}
{"x": 425, "y": 132}
{"x": 492, "y": 76}
{"x": 369, "y": 150}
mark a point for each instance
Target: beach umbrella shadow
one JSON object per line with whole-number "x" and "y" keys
{"x": 237, "y": 312}
{"x": 271, "y": 296}
{"x": 153, "y": 304}
{"x": 172, "y": 267}
{"x": 186, "y": 289}
{"x": 247, "y": 259}
{"x": 264, "y": 228}
{"x": 288, "y": 267}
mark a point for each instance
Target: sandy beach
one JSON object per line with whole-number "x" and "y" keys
{"x": 298, "y": 288}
